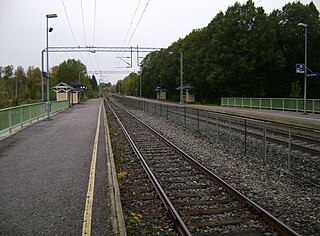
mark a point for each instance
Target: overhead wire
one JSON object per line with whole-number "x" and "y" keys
{"x": 84, "y": 31}
{"x": 134, "y": 15}
{"x": 125, "y": 38}
{"x": 83, "y": 26}
{"x": 94, "y": 31}
{"x": 142, "y": 14}
{"x": 72, "y": 32}
{"x": 65, "y": 11}
{"x": 94, "y": 22}
{"x": 74, "y": 37}
{"x": 144, "y": 10}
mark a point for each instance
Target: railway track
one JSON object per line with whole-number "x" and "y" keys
{"x": 292, "y": 150}
{"x": 304, "y": 140}
{"x": 199, "y": 202}
{"x": 142, "y": 210}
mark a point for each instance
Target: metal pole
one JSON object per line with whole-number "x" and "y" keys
{"x": 181, "y": 77}
{"x": 42, "y": 70}
{"x": 48, "y": 77}
{"x": 305, "y": 66}
{"x": 48, "y": 97}
{"x": 305, "y": 70}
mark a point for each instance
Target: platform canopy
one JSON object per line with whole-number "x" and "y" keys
{"x": 63, "y": 87}
{"x": 185, "y": 87}
{"x": 161, "y": 88}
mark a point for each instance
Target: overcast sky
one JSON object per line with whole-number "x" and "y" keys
{"x": 102, "y": 23}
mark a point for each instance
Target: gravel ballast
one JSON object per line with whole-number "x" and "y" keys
{"x": 294, "y": 202}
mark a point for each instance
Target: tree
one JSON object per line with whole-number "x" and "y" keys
{"x": 94, "y": 84}
{"x": 129, "y": 85}
{"x": 70, "y": 71}
{"x": 20, "y": 81}
{"x": 34, "y": 82}
{"x": 7, "y": 74}
{"x": 243, "y": 52}
{"x": 291, "y": 42}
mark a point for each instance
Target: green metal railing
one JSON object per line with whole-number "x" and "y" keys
{"x": 18, "y": 116}
{"x": 284, "y": 104}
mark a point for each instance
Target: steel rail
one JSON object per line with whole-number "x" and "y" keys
{"x": 272, "y": 139}
{"x": 181, "y": 227}
{"x": 280, "y": 227}
{"x": 218, "y": 112}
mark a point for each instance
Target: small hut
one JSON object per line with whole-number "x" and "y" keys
{"x": 188, "y": 93}
{"x": 161, "y": 92}
{"x": 66, "y": 92}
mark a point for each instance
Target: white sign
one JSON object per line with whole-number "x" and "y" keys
{"x": 300, "y": 68}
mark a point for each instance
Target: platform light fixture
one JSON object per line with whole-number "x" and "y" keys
{"x": 305, "y": 66}
{"x": 48, "y": 77}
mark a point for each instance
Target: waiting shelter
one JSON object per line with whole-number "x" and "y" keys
{"x": 161, "y": 92}
{"x": 188, "y": 93}
{"x": 66, "y": 92}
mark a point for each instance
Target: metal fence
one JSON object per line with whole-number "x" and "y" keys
{"x": 284, "y": 104}
{"x": 246, "y": 138}
{"x": 18, "y": 116}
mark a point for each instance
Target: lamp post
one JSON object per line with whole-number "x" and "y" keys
{"x": 181, "y": 74}
{"x": 42, "y": 70}
{"x": 48, "y": 30}
{"x": 305, "y": 66}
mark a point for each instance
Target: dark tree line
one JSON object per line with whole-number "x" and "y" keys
{"x": 243, "y": 52}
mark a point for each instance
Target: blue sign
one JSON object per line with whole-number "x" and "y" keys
{"x": 300, "y": 68}
{"x": 313, "y": 74}
{"x": 45, "y": 74}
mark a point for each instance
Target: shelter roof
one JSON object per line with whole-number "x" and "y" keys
{"x": 63, "y": 87}
{"x": 186, "y": 86}
{"x": 160, "y": 87}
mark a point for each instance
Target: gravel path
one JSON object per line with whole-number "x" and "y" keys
{"x": 295, "y": 203}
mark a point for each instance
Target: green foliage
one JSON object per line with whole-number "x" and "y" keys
{"x": 129, "y": 85}
{"x": 70, "y": 71}
{"x": 18, "y": 86}
{"x": 133, "y": 219}
{"x": 243, "y": 52}
{"x": 15, "y": 102}
{"x": 74, "y": 71}
{"x": 295, "y": 89}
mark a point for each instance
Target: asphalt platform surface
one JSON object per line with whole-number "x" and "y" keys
{"x": 44, "y": 174}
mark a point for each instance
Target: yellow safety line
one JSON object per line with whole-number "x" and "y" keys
{"x": 86, "y": 228}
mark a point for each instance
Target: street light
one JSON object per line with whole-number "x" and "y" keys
{"x": 181, "y": 73}
{"x": 305, "y": 66}
{"x": 48, "y": 30}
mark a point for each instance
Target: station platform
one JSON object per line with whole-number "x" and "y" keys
{"x": 45, "y": 171}
{"x": 309, "y": 120}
